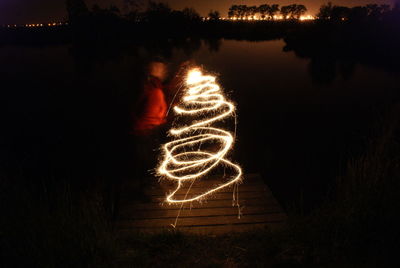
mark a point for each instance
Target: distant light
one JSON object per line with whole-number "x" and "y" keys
{"x": 307, "y": 17}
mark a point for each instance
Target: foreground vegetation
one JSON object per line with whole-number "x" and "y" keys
{"x": 51, "y": 225}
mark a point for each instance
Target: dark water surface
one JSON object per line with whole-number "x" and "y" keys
{"x": 68, "y": 107}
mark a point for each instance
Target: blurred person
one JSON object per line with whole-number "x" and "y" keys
{"x": 149, "y": 118}
{"x": 152, "y": 107}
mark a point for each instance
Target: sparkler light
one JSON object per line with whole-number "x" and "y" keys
{"x": 187, "y": 158}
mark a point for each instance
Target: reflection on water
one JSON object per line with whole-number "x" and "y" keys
{"x": 295, "y": 131}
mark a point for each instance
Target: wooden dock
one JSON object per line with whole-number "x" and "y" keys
{"x": 216, "y": 215}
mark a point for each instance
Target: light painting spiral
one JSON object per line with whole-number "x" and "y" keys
{"x": 185, "y": 159}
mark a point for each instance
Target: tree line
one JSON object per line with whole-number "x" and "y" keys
{"x": 266, "y": 11}
{"x": 158, "y": 11}
{"x": 154, "y": 12}
{"x": 341, "y": 13}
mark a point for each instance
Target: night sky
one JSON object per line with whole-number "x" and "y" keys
{"x": 42, "y": 11}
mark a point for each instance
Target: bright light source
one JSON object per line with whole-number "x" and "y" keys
{"x": 204, "y": 102}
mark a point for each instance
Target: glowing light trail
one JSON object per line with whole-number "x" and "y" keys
{"x": 183, "y": 158}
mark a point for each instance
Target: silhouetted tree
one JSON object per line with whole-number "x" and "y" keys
{"x": 251, "y": 11}
{"x": 233, "y": 11}
{"x": 273, "y": 10}
{"x": 242, "y": 11}
{"x": 358, "y": 13}
{"x": 191, "y": 14}
{"x": 263, "y": 10}
{"x": 246, "y": 11}
{"x": 214, "y": 15}
{"x": 298, "y": 11}
{"x": 325, "y": 12}
{"x": 285, "y": 11}
{"x": 293, "y": 11}
{"x": 340, "y": 13}
{"x": 157, "y": 12}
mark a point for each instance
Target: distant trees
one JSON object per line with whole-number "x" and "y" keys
{"x": 273, "y": 10}
{"x": 285, "y": 11}
{"x": 263, "y": 10}
{"x": 293, "y": 11}
{"x": 325, "y": 11}
{"x": 252, "y": 11}
{"x": 156, "y": 11}
{"x": 296, "y": 11}
{"x": 108, "y": 23}
{"x": 299, "y": 10}
{"x": 358, "y": 13}
{"x": 234, "y": 11}
{"x": 214, "y": 15}
{"x": 266, "y": 11}
{"x": 135, "y": 11}
{"x": 190, "y": 14}
{"x": 242, "y": 10}
{"x": 161, "y": 18}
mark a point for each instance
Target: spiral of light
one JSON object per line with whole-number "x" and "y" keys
{"x": 183, "y": 160}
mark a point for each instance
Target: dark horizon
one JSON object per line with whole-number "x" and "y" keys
{"x": 43, "y": 11}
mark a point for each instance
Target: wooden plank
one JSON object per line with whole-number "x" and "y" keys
{"x": 217, "y": 196}
{"x": 157, "y": 190}
{"x": 205, "y": 230}
{"x": 208, "y": 203}
{"x": 237, "y": 228}
{"x": 249, "y": 179}
{"x": 215, "y": 214}
{"x": 172, "y": 213}
{"x": 201, "y": 183}
{"x": 203, "y": 221}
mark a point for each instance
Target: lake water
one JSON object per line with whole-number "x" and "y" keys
{"x": 70, "y": 103}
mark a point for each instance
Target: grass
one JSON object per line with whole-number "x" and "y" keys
{"x": 51, "y": 224}
{"x": 53, "y": 227}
